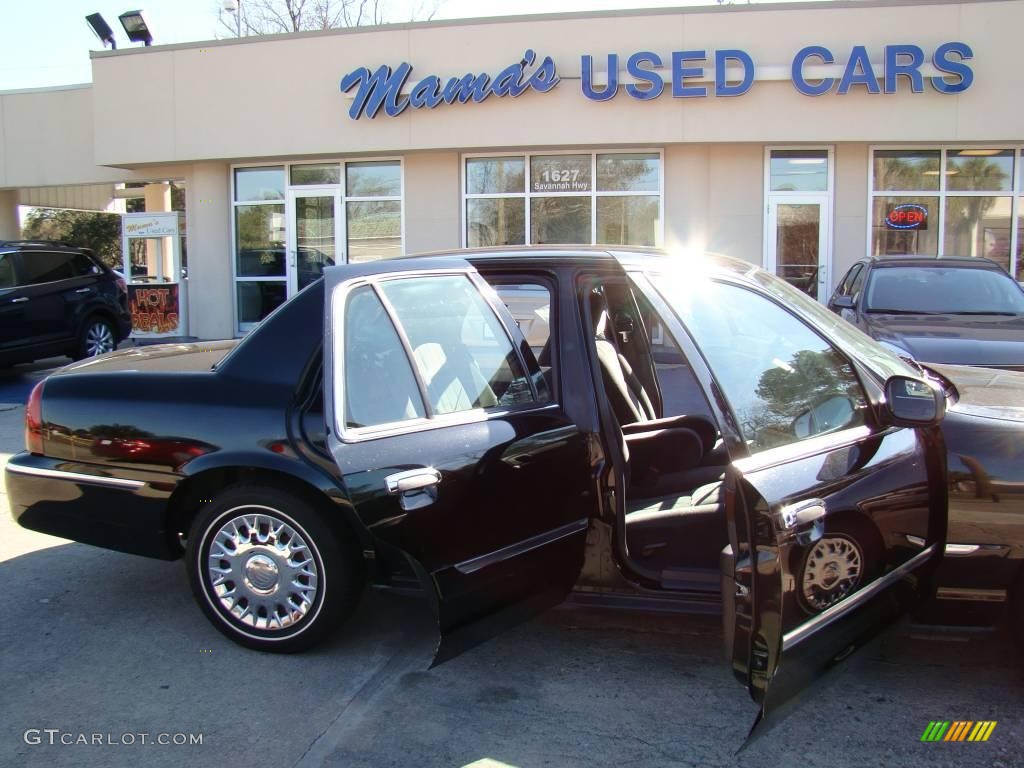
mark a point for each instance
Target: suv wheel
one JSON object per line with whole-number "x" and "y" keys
{"x": 270, "y": 571}
{"x": 96, "y": 338}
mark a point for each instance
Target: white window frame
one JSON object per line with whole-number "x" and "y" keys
{"x": 825, "y": 198}
{"x": 526, "y": 195}
{"x": 289, "y": 215}
{"x": 1015, "y": 192}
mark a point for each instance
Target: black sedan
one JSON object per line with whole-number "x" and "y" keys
{"x": 693, "y": 434}
{"x": 959, "y": 311}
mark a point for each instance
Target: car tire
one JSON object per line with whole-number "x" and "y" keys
{"x": 842, "y": 561}
{"x": 270, "y": 570}
{"x": 97, "y": 336}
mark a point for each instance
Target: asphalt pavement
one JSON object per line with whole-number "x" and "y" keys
{"x": 107, "y": 647}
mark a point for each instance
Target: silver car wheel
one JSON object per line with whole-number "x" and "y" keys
{"x": 833, "y": 569}
{"x": 99, "y": 339}
{"x": 262, "y": 572}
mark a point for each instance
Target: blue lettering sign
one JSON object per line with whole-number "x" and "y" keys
{"x": 657, "y": 85}
{"x": 679, "y": 74}
{"x": 383, "y": 88}
{"x": 858, "y": 72}
{"x": 943, "y": 63}
{"x": 797, "y": 70}
{"x": 588, "y": 78}
{"x": 911, "y": 69}
{"x": 722, "y": 58}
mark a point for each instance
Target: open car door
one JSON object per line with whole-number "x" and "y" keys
{"x": 452, "y": 444}
{"x": 836, "y": 516}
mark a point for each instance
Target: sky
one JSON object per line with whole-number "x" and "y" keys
{"x": 47, "y": 42}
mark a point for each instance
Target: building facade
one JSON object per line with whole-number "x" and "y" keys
{"x": 799, "y": 137}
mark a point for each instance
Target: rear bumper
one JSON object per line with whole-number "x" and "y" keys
{"x": 83, "y": 502}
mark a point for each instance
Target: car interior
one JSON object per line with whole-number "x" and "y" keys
{"x": 675, "y": 459}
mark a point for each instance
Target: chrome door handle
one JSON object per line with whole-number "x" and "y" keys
{"x": 83, "y": 290}
{"x": 809, "y": 516}
{"x": 19, "y": 300}
{"x": 412, "y": 480}
{"x": 415, "y": 488}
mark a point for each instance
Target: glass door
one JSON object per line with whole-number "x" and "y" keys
{"x": 798, "y": 243}
{"x": 315, "y": 235}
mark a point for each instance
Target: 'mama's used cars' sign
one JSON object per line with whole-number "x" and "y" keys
{"x": 684, "y": 73}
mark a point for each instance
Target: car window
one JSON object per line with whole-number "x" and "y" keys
{"x": 380, "y": 387}
{"x": 6, "y": 271}
{"x": 858, "y": 281}
{"x": 83, "y": 265}
{"x": 783, "y": 380}
{"x": 464, "y": 357}
{"x": 45, "y": 267}
{"x": 943, "y": 290}
{"x": 847, "y": 284}
{"x": 530, "y": 307}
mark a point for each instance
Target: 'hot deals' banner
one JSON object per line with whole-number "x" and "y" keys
{"x": 153, "y": 309}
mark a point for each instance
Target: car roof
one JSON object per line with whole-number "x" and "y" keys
{"x": 957, "y": 262}
{"x": 628, "y": 257}
{"x": 41, "y": 245}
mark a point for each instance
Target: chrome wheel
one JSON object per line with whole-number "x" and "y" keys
{"x": 833, "y": 569}
{"x": 262, "y": 571}
{"x": 99, "y": 339}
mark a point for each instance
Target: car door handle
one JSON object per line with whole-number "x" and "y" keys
{"x": 415, "y": 488}
{"x": 19, "y": 300}
{"x": 83, "y": 290}
{"x": 808, "y": 517}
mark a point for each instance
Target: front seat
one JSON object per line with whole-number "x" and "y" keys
{"x": 627, "y": 395}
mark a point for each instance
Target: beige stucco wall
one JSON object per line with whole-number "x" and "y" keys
{"x": 849, "y": 235}
{"x": 210, "y": 289}
{"x": 280, "y": 97}
{"x": 432, "y": 201}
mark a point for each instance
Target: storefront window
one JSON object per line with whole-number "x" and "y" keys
{"x": 559, "y": 220}
{"x": 374, "y": 179}
{"x": 799, "y": 170}
{"x": 905, "y": 226}
{"x": 374, "y": 230}
{"x": 286, "y": 233}
{"x": 628, "y": 173}
{"x": 495, "y": 221}
{"x": 632, "y": 220}
{"x": 907, "y": 170}
{"x": 579, "y": 198}
{"x": 316, "y": 173}
{"x": 957, "y": 211}
{"x": 495, "y": 175}
{"x": 259, "y": 184}
{"x": 978, "y": 226}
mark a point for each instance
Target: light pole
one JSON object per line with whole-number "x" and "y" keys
{"x": 235, "y": 7}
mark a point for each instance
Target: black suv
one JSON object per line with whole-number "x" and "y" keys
{"x": 58, "y": 299}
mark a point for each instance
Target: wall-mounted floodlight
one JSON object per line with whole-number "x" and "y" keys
{"x": 135, "y": 27}
{"x": 101, "y": 29}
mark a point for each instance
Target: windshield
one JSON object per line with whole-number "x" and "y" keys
{"x": 847, "y": 337}
{"x": 942, "y": 290}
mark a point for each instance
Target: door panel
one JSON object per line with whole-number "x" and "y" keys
{"x": 494, "y": 515}
{"x": 315, "y": 235}
{"x": 873, "y": 499}
{"x": 835, "y": 524}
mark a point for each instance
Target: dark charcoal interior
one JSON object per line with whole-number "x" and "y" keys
{"x": 675, "y": 519}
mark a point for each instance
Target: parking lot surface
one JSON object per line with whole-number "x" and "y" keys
{"x": 98, "y": 642}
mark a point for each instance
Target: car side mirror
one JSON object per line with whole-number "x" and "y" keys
{"x": 842, "y": 302}
{"x": 913, "y": 403}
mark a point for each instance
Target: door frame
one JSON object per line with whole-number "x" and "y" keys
{"x": 291, "y": 245}
{"x": 825, "y": 199}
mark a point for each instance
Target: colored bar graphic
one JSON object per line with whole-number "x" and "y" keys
{"x": 958, "y": 730}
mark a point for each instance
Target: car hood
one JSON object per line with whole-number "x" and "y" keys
{"x": 987, "y": 340}
{"x": 986, "y": 392}
{"x": 157, "y": 357}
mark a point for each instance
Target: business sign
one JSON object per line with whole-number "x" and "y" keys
{"x": 648, "y": 75}
{"x": 154, "y": 309}
{"x": 910, "y": 216}
{"x": 150, "y": 224}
